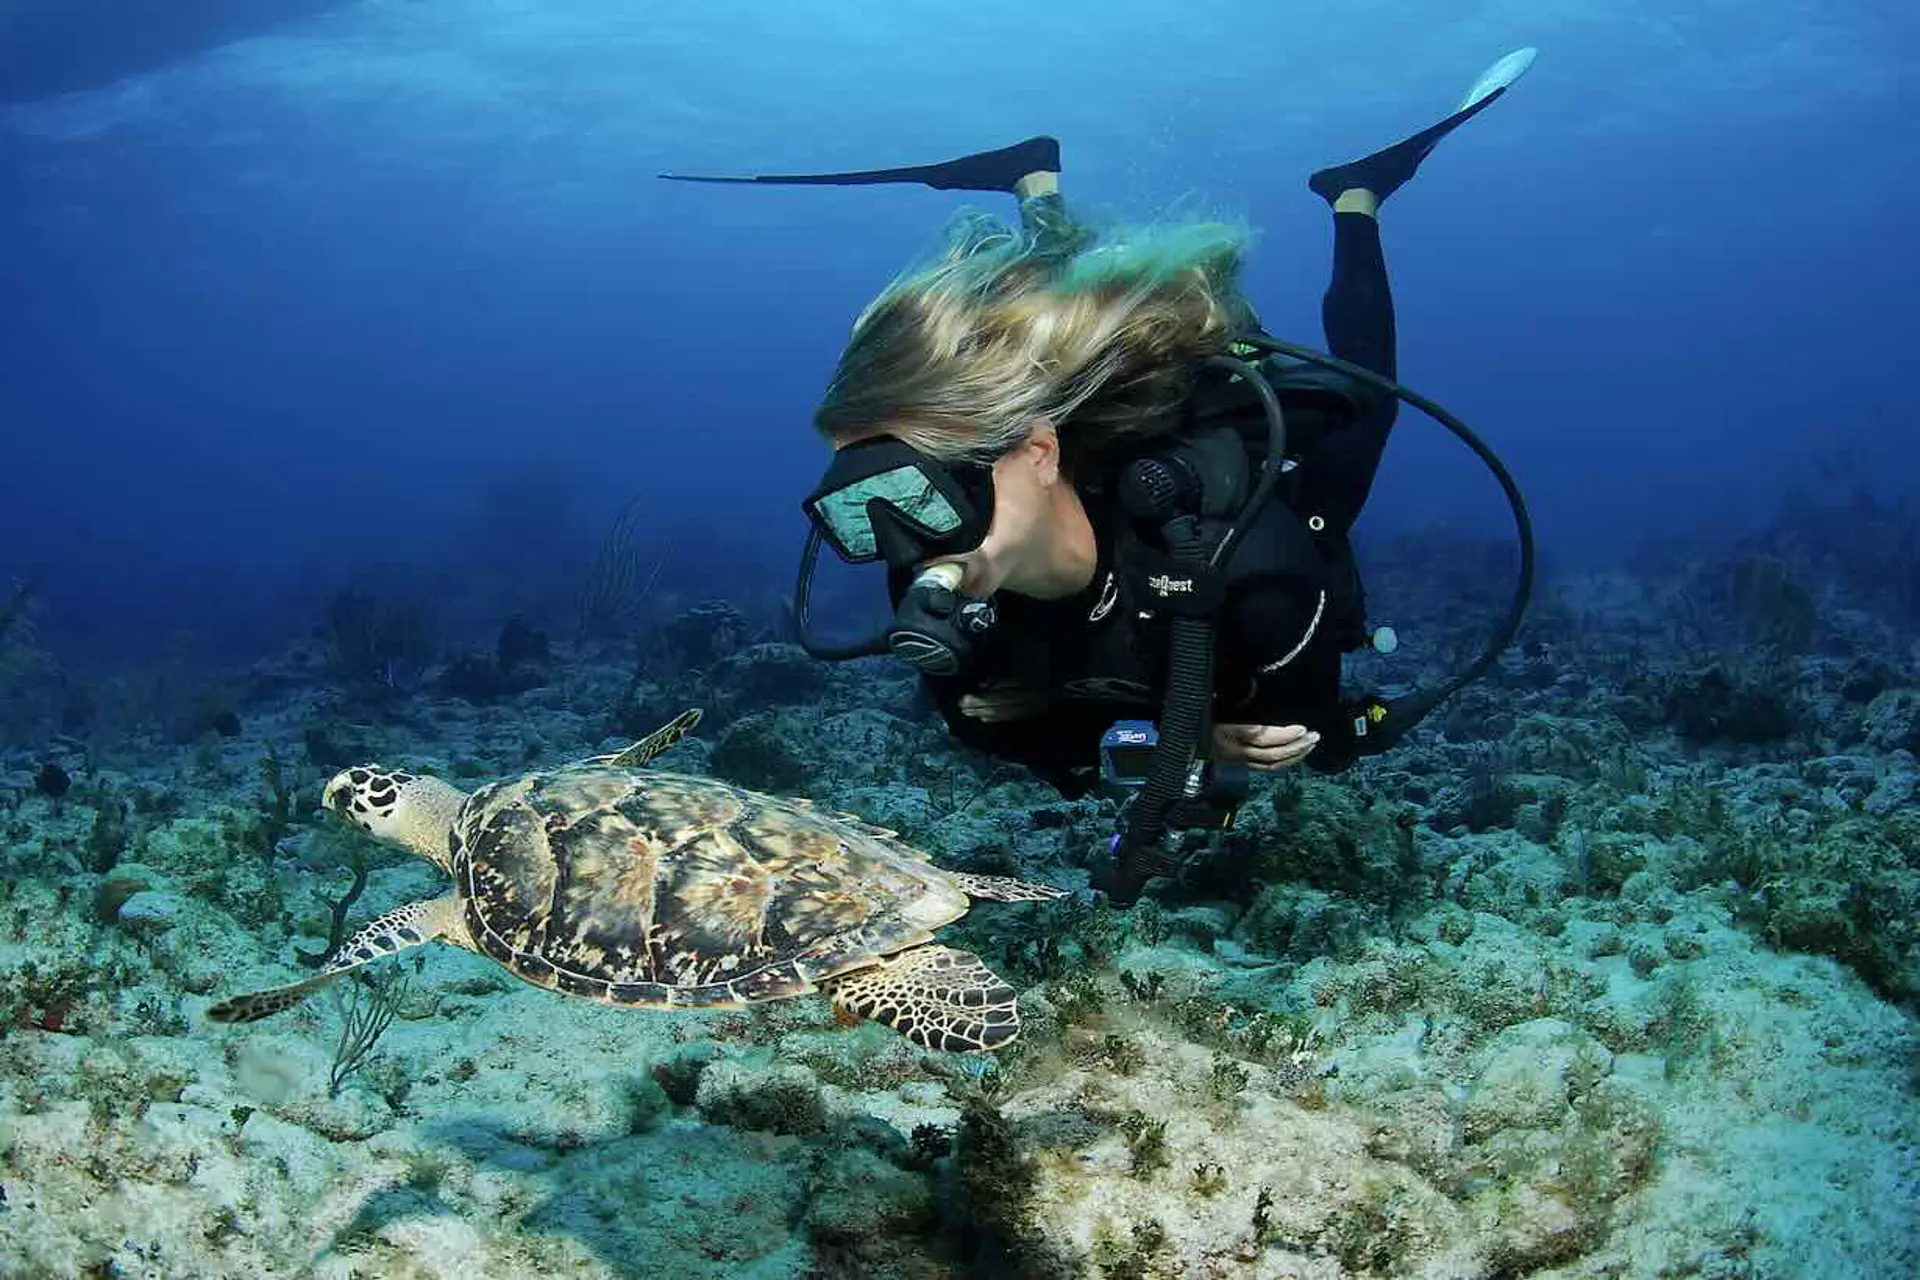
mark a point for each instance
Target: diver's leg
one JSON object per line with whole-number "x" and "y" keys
{"x": 1357, "y": 314}
{"x": 1044, "y": 216}
{"x": 1357, "y": 311}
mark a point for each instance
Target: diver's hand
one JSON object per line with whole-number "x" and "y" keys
{"x": 1003, "y": 700}
{"x": 1262, "y": 746}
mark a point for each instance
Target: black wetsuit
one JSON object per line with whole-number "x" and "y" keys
{"x": 1293, "y": 602}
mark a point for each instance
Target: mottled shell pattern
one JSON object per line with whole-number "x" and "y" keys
{"x": 672, "y": 891}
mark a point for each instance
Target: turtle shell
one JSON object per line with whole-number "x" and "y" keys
{"x": 670, "y": 891}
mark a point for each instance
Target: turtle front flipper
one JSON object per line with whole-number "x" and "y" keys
{"x": 642, "y": 753}
{"x": 413, "y": 925}
{"x": 937, "y": 997}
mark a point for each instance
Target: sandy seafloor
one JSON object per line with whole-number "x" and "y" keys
{"x": 1591, "y": 978}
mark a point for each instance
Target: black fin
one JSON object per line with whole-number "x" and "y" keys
{"x": 1384, "y": 171}
{"x": 995, "y": 170}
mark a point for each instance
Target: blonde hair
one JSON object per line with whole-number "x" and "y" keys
{"x": 962, "y": 357}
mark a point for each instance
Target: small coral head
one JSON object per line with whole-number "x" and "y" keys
{"x": 370, "y": 798}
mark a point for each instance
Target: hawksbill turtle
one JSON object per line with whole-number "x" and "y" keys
{"x": 612, "y": 882}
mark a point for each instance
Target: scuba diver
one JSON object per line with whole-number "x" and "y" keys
{"x": 1114, "y": 511}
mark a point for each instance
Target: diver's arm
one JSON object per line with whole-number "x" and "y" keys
{"x": 1059, "y": 748}
{"x": 1277, "y": 627}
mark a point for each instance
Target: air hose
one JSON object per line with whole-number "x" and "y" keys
{"x": 1186, "y": 716}
{"x": 1141, "y": 852}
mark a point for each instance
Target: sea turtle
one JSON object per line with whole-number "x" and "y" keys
{"x": 670, "y": 891}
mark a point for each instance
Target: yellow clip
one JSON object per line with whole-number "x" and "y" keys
{"x": 1376, "y": 712}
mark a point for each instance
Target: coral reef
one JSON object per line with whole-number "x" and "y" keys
{"x": 1611, "y": 971}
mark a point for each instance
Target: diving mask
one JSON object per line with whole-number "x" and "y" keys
{"x": 884, "y": 500}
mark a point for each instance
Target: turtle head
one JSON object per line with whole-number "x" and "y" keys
{"x": 399, "y": 808}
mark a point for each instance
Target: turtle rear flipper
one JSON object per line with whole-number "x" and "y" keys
{"x": 413, "y": 925}
{"x": 937, "y": 997}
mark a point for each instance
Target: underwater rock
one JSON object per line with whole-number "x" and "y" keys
{"x": 52, "y": 781}
{"x": 771, "y": 675}
{"x": 872, "y": 1134}
{"x": 521, "y": 644}
{"x": 1895, "y": 792}
{"x": 1715, "y": 706}
{"x": 1532, "y": 1230}
{"x": 859, "y": 1061}
{"x": 207, "y": 712}
{"x": 1202, "y": 922}
{"x": 151, "y": 911}
{"x": 1530, "y": 1075}
{"x": 555, "y": 1105}
{"x": 896, "y": 808}
{"x": 306, "y": 1160}
{"x": 679, "y": 1076}
{"x": 1315, "y": 833}
{"x": 180, "y": 1131}
{"x": 783, "y": 1099}
{"x": 332, "y": 744}
{"x": 475, "y": 677}
{"x": 704, "y": 634}
{"x": 864, "y": 1205}
{"x": 516, "y": 666}
{"x": 1291, "y": 922}
{"x": 353, "y": 1115}
{"x": 759, "y": 751}
{"x": 689, "y": 1202}
{"x": 1893, "y": 720}
{"x": 122, "y": 883}
{"x": 1573, "y": 747}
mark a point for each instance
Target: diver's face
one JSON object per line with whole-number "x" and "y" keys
{"x": 1024, "y": 483}
{"x": 1027, "y": 484}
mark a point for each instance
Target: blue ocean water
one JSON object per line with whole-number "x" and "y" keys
{"x": 308, "y": 299}
{"x": 304, "y": 297}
